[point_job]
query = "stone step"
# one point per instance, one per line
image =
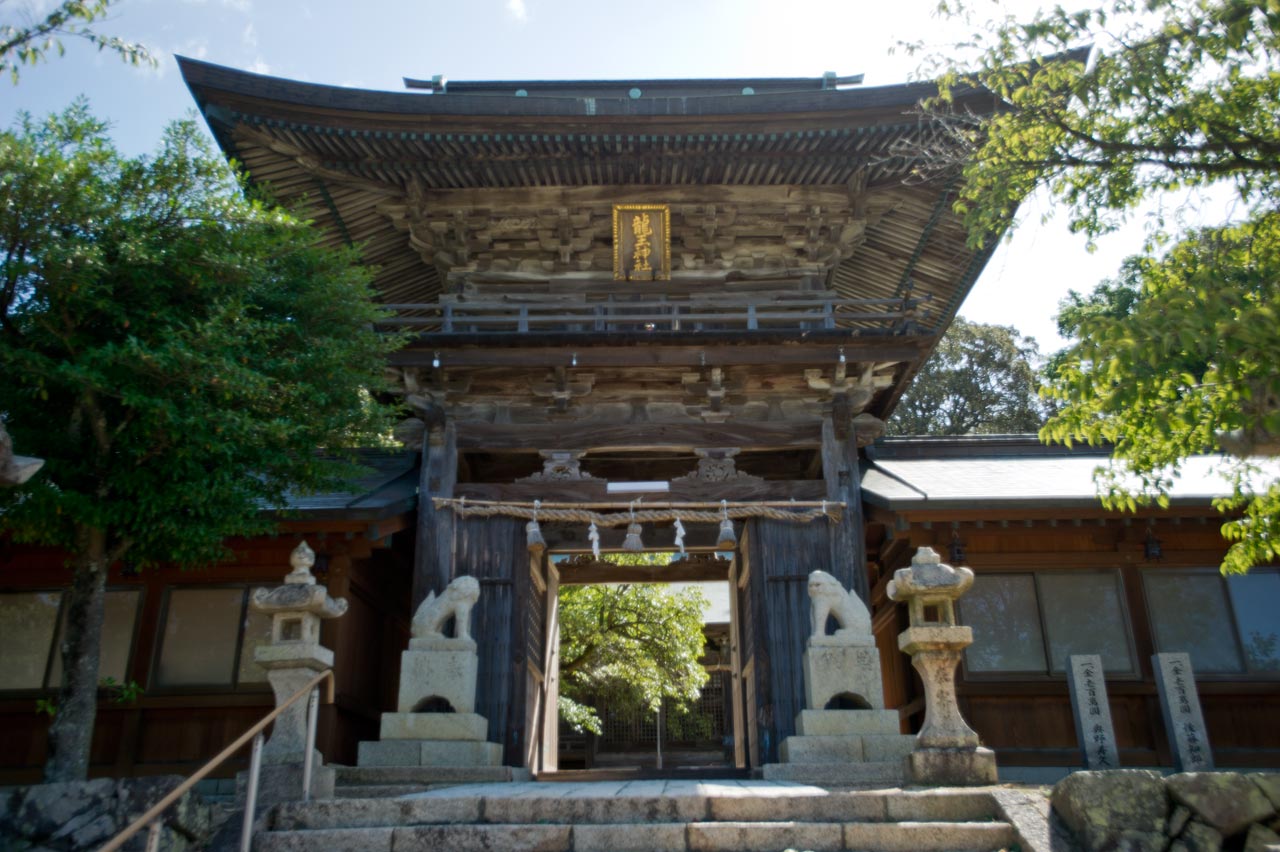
(463, 753)
(651, 837)
(433, 726)
(838, 723)
(874, 748)
(421, 838)
(461, 805)
(838, 774)
(929, 836)
(382, 791)
(347, 776)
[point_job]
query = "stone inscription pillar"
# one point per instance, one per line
(1180, 706)
(1094, 732)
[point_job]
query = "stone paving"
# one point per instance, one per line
(674, 788)
(675, 815)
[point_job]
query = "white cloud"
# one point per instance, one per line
(516, 9)
(249, 38)
(260, 66)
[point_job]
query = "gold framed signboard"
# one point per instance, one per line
(641, 242)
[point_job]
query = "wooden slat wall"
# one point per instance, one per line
(175, 730)
(493, 551)
(781, 557)
(1027, 719)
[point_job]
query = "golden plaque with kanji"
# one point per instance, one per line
(641, 242)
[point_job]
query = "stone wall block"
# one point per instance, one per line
(1259, 838)
(1198, 837)
(85, 815)
(1099, 806)
(1270, 786)
(1227, 801)
(1177, 821)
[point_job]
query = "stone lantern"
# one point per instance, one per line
(292, 658)
(947, 750)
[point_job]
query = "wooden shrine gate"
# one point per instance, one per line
(516, 628)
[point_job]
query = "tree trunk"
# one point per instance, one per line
(71, 733)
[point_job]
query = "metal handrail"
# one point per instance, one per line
(255, 766)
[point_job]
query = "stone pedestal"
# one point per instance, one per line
(438, 669)
(845, 670)
(436, 723)
(947, 751)
(842, 746)
(952, 767)
(431, 739)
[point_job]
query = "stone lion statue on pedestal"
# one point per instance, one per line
(827, 597)
(456, 600)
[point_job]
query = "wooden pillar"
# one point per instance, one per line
(433, 552)
(551, 672)
(844, 484)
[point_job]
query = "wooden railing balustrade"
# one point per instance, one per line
(456, 316)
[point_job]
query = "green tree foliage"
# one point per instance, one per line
(1190, 367)
(631, 645)
(1177, 95)
(981, 380)
(1114, 298)
(175, 351)
(29, 41)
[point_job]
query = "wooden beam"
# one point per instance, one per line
(557, 353)
(543, 198)
(593, 490)
(608, 572)
(684, 437)
(572, 538)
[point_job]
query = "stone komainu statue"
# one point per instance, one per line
(456, 601)
(828, 597)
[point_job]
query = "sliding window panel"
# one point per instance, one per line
(1083, 614)
(200, 637)
(120, 618)
(1002, 610)
(1189, 613)
(1255, 597)
(27, 623)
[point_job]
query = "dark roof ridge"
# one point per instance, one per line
(204, 78)
(975, 446)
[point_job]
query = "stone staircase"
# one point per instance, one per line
(378, 782)
(648, 816)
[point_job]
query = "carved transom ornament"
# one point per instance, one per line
(559, 466)
(717, 465)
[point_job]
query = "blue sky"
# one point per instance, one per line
(374, 44)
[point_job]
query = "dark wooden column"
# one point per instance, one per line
(433, 557)
(493, 551)
(846, 537)
(781, 555)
